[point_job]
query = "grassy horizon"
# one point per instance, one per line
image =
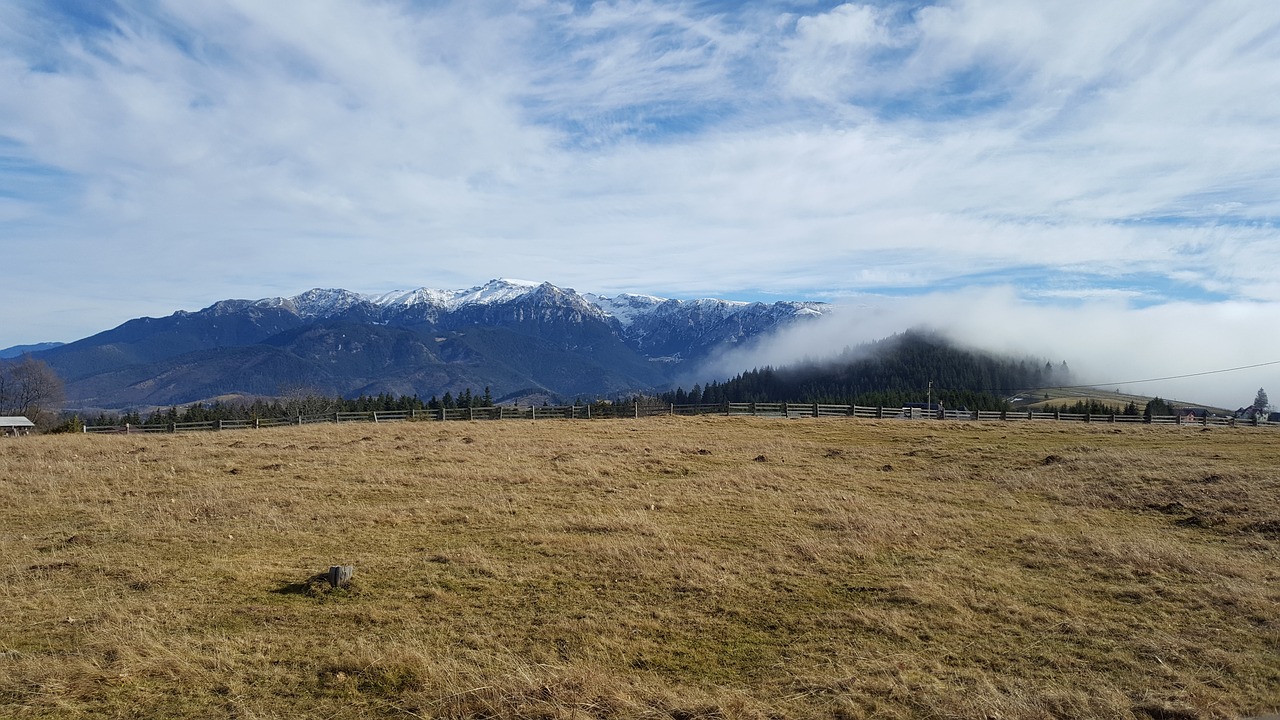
(660, 568)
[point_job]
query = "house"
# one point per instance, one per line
(15, 425)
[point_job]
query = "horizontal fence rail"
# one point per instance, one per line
(638, 410)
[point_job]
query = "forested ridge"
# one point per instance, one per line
(890, 372)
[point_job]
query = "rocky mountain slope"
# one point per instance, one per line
(511, 336)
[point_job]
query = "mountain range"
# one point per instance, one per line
(20, 350)
(520, 339)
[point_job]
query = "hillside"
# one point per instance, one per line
(1115, 400)
(670, 567)
(904, 368)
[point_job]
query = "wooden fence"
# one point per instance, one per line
(637, 410)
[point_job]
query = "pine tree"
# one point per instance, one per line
(1156, 407)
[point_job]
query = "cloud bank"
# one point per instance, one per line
(1229, 352)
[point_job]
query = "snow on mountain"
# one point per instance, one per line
(494, 292)
(625, 308)
(628, 309)
(317, 302)
(631, 311)
(322, 302)
(410, 298)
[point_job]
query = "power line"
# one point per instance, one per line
(1159, 379)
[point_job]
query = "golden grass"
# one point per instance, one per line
(661, 568)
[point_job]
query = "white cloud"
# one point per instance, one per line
(194, 151)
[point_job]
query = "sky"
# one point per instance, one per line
(1095, 181)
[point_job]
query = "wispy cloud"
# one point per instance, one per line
(166, 154)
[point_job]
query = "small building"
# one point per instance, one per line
(919, 409)
(16, 425)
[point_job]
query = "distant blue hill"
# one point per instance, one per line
(20, 350)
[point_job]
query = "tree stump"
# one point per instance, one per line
(340, 575)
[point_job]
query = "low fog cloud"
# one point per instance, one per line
(1108, 342)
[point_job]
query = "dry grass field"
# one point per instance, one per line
(661, 568)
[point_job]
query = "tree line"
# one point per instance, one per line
(1155, 407)
(291, 405)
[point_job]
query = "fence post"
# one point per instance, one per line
(588, 411)
(257, 423)
(173, 427)
(815, 409)
(753, 408)
(637, 409)
(1088, 417)
(471, 413)
(879, 412)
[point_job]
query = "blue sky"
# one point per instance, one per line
(1115, 163)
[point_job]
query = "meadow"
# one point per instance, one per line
(701, 567)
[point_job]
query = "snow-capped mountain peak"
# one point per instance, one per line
(317, 302)
(638, 315)
(409, 298)
(625, 307)
(494, 292)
